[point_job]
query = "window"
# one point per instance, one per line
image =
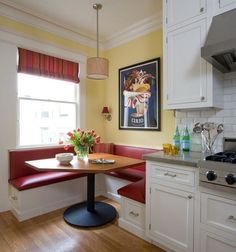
(47, 109)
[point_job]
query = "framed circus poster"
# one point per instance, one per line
(139, 96)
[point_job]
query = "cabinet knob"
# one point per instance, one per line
(232, 218)
(202, 9)
(202, 98)
(190, 196)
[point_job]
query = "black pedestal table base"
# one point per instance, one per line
(90, 213)
(78, 215)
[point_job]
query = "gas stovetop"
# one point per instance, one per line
(225, 156)
(220, 169)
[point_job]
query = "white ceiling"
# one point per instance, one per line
(79, 16)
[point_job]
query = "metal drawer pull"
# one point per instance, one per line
(202, 9)
(190, 196)
(170, 175)
(231, 218)
(134, 214)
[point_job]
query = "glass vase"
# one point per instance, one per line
(82, 152)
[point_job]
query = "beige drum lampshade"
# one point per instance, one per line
(97, 68)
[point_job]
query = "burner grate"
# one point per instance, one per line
(227, 157)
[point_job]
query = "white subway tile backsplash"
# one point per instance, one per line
(181, 114)
(230, 105)
(228, 127)
(224, 113)
(208, 113)
(229, 97)
(230, 120)
(216, 120)
(193, 114)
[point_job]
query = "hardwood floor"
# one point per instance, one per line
(49, 232)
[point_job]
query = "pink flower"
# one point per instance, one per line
(66, 147)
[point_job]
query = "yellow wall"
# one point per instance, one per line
(100, 93)
(95, 94)
(138, 50)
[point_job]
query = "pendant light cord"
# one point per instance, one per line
(97, 35)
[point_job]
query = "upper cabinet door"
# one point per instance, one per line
(225, 5)
(178, 11)
(185, 77)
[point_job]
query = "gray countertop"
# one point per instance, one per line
(184, 158)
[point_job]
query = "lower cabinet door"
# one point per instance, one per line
(171, 217)
(213, 243)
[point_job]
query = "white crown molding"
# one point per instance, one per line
(23, 16)
(138, 29)
(15, 12)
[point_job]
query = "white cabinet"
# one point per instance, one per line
(170, 204)
(180, 11)
(218, 212)
(171, 217)
(189, 81)
(218, 223)
(186, 76)
(132, 217)
(225, 5)
(211, 242)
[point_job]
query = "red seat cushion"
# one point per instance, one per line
(17, 158)
(43, 178)
(130, 174)
(134, 191)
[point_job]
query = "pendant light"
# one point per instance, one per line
(97, 67)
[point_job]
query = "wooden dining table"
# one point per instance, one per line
(90, 213)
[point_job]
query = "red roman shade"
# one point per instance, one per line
(47, 66)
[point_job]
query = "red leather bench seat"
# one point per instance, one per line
(42, 179)
(134, 191)
(23, 177)
(130, 174)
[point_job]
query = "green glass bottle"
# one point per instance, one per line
(176, 138)
(186, 140)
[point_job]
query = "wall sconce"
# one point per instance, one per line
(106, 113)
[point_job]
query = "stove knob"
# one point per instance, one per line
(230, 179)
(211, 175)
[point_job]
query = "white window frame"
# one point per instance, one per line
(76, 103)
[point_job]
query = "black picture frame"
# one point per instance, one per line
(139, 96)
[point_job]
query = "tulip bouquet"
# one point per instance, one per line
(82, 141)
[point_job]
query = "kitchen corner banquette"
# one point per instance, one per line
(33, 193)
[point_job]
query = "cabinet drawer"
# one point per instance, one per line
(218, 212)
(134, 212)
(213, 243)
(171, 174)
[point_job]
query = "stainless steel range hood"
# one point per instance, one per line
(220, 45)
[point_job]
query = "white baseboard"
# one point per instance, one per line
(36, 201)
(138, 231)
(113, 196)
(30, 213)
